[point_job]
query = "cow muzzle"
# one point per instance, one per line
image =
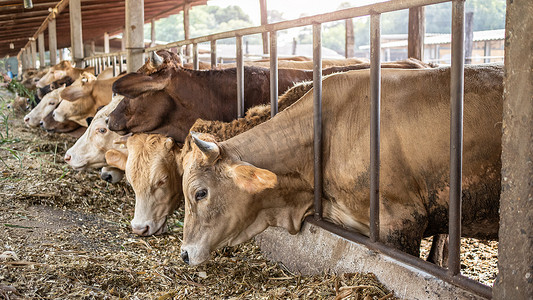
(149, 228)
(194, 255)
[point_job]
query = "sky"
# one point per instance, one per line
(291, 9)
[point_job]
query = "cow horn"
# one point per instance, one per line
(158, 60)
(210, 149)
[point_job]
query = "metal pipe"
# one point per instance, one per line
(114, 66)
(273, 73)
(213, 54)
(342, 14)
(240, 78)
(120, 63)
(375, 99)
(195, 63)
(456, 136)
(416, 262)
(317, 118)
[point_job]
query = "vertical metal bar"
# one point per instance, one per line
(109, 61)
(456, 136)
(273, 73)
(114, 66)
(120, 63)
(213, 54)
(195, 63)
(375, 99)
(240, 78)
(317, 118)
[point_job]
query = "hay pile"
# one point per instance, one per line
(65, 234)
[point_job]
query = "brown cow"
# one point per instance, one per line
(255, 180)
(169, 100)
(83, 97)
(62, 69)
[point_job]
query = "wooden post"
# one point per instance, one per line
(186, 29)
(469, 36)
(22, 59)
(417, 29)
(515, 258)
(93, 48)
(486, 51)
(349, 50)
(152, 32)
(76, 38)
(134, 34)
(123, 40)
(52, 41)
(40, 39)
(106, 42)
(264, 20)
(33, 46)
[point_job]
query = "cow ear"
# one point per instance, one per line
(252, 179)
(89, 70)
(122, 140)
(134, 84)
(72, 93)
(116, 159)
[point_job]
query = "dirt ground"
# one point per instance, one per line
(65, 234)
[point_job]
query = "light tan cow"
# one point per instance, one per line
(83, 98)
(62, 69)
(152, 158)
(89, 150)
(49, 102)
(264, 177)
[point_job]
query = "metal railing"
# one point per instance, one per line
(102, 61)
(452, 273)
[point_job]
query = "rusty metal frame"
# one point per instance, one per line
(452, 274)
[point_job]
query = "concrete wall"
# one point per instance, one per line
(515, 251)
(315, 250)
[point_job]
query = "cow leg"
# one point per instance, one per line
(439, 250)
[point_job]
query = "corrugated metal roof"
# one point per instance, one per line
(437, 39)
(18, 24)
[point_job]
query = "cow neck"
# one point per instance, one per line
(282, 144)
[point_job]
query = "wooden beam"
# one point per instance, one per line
(76, 34)
(106, 42)
(40, 39)
(152, 32)
(415, 43)
(186, 28)
(33, 46)
(52, 41)
(349, 49)
(134, 34)
(264, 20)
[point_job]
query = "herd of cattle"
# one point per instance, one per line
(173, 132)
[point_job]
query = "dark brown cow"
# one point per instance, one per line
(169, 100)
(70, 127)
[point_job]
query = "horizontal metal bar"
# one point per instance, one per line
(353, 12)
(458, 280)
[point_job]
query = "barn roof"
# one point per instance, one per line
(18, 25)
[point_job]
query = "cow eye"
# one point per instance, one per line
(52, 103)
(102, 130)
(201, 194)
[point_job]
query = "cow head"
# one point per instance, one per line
(152, 171)
(82, 99)
(50, 125)
(54, 73)
(49, 102)
(222, 199)
(142, 88)
(89, 150)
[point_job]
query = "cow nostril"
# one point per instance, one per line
(26, 119)
(185, 256)
(67, 157)
(107, 177)
(41, 123)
